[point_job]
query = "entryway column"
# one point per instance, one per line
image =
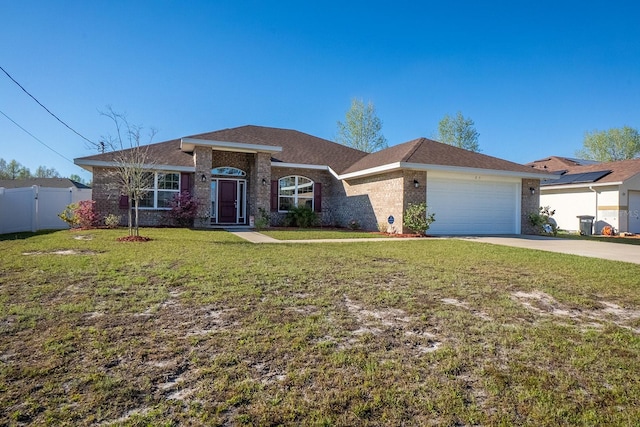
(262, 183)
(202, 157)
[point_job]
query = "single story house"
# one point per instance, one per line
(610, 192)
(238, 173)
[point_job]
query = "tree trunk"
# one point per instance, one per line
(136, 230)
(130, 222)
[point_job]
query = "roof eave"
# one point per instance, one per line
(188, 145)
(444, 168)
(583, 185)
(90, 164)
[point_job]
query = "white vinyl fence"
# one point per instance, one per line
(36, 208)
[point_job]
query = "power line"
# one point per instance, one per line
(48, 111)
(34, 137)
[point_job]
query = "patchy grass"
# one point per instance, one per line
(201, 328)
(315, 234)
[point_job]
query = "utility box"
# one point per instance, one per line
(586, 224)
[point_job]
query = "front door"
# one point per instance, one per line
(227, 201)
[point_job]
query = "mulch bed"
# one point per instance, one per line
(133, 239)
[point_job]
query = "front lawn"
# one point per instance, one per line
(202, 328)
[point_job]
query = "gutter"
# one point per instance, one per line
(595, 220)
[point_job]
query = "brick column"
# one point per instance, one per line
(202, 190)
(263, 190)
(413, 195)
(530, 203)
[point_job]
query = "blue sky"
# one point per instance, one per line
(534, 76)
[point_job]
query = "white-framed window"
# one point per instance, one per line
(294, 191)
(165, 186)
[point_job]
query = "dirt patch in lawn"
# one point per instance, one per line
(390, 321)
(62, 252)
(546, 305)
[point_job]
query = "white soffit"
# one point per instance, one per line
(444, 168)
(189, 144)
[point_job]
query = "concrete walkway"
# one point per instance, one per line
(603, 250)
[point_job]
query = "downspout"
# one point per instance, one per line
(595, 219)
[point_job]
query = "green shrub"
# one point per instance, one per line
(112, 221)
(263, 220)
(301, 216)
(543, 221)
(416, 219)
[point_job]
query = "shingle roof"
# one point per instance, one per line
(426, 151)
(161, 153)
(297, 147)
(305, 149)
(620, 171)
(556, 163)
(41, 182)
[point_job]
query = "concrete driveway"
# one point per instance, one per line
(603, 250)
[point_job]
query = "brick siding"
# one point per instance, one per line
(530, 203)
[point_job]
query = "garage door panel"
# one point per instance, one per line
(472, 207)
(634, 212)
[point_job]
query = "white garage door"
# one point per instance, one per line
(634, 212)
(473, 206)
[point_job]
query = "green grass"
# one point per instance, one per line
(315, 234)
(202, 328)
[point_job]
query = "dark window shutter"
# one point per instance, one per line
(274, 196)
(317, 197)
(185, 182)
(124, 202)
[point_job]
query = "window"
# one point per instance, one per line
(228, 171)
(295, 191)
(164, 186)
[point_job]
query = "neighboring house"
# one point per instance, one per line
(610, 192)
(238, 173)
(34, 204)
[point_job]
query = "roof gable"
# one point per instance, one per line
(428, 152)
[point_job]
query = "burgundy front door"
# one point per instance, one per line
(228, 201)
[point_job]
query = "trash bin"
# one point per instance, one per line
(586, 224)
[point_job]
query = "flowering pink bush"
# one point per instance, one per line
(87, 216)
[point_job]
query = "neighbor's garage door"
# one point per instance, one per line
(634, 211)
(473, 206)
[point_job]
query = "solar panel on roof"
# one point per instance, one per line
(577, 178)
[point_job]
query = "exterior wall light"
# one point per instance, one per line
(533, 190)
(416, 183)
(203, 178)
(264, 181)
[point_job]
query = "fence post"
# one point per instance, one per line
(34, 209)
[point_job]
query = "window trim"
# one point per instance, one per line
(155, 190)
(296, 197)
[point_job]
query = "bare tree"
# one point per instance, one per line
(133, 171)
(45, 172)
